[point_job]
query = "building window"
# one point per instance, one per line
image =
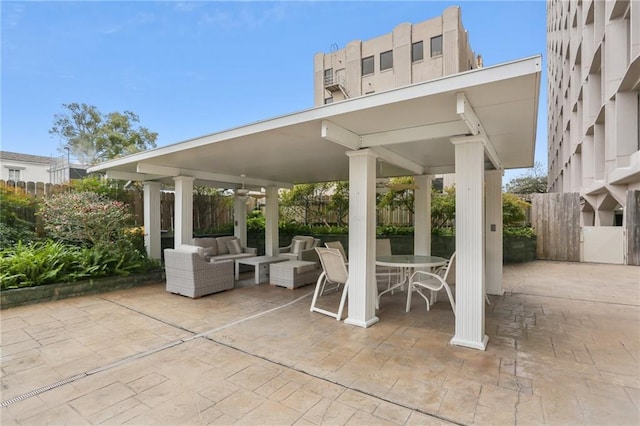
(14, 174)
(367, 65)
(417, 52)
(328, 77)
(328, 100)
(386, 60)
(436, 46)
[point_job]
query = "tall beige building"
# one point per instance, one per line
(593, 76)
(411, 53)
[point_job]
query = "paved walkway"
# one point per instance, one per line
(564, 349)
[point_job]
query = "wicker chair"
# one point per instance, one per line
(190, 274)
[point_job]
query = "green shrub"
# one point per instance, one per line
(13, 227)
(53, 262)
(87, 219)
(36, 264)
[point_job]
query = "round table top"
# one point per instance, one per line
(409, 260)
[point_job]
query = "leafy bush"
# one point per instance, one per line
(87, 219)
(13, 227)
(519, 231)
(53, 262)
(36, 264)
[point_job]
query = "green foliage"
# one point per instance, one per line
(398, 198)
(390, 230)
(89, 220)
(109, 188)
(255, 221)
(306, 203)
(443, 209)
(518, 231)
(339, 203)
(94, 137)
(13, 227)
(513, 210)
(533, 181)
(53, 262)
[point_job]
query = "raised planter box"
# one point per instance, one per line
(50, 292)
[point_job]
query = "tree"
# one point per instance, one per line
(403, 198)
(306, 203)
(93, 137)
(533, 181)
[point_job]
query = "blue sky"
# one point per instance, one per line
(193, 68)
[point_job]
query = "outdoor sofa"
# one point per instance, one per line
(190, 273)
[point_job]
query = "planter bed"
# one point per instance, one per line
(50, 292)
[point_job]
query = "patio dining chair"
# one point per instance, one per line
(434, 282)
(386, 273)
(334, 271)
(337, 245)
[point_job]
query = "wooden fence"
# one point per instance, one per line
(556, 220)
(209, 211)
(633, 228)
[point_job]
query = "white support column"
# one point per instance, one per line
(183, 211)
(469, 157)
(362, 238)
(422, 216)
(271, 235)
(493, 232)
(152, 236)
(240, 219)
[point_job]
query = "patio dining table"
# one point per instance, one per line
(407, 263)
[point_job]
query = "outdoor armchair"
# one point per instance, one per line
(189, 273)
(301, 248)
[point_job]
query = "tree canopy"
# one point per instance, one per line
(534, 181)
(93, 137)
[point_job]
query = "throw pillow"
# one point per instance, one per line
(298, 246)
(234, 247)
(309, 244)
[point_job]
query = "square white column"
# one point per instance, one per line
(362, 238)
(493, 232)
(271, 219)
(469, 157)
(183, 211)
(152, 235)
(422, 216)
(240, 219)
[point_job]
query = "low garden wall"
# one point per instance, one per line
(50, 292)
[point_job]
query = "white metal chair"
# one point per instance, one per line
(334, 271)
(383, 248)
(433, 282)
(337, 245)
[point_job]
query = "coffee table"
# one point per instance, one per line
(261, 265)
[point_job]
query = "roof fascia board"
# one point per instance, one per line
(398, 160)
(339, 135)
(414, 134)
(136, 177)
(468, 115)
(208, 176)
(456, 82)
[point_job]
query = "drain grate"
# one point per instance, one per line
(42, 390)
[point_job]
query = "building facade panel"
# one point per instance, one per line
(593, 71)
(410, 53)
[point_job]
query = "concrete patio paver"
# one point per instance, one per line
(564, 349)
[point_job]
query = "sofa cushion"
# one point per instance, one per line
(222, 244)
(234, 247)
(310, 244)
(210, 243)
